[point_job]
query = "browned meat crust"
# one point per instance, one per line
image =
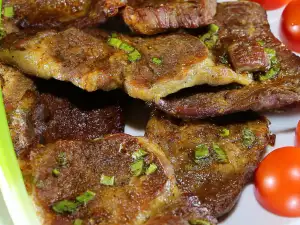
(86, 59)
(52, 13)
(130, 200)
(216, 184)
(156, 16)
(42, 112)
(182, 212)
(238, 23)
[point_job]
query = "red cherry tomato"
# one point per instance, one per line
(297, 138)
(290, 26)
(272, 4)
(277, 182)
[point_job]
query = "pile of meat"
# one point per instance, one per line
(69, 68)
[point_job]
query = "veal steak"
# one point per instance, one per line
(43, 14)
(214, 159)
(156, 16)
(41, 112)
(147, 68)
(103, 170)
(242, 22)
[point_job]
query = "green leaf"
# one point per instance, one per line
(107, 180)
(86, 197)
(12, 186)
(201, 152)
(65, 206)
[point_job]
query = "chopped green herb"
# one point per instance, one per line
(65, 206)
(157, 61)
(151, 169)
(107, 180)
(55, 172)
(134, 56)
(126, 47)
(274, 68)
(78, 222)
(211, 37)
(248, 137)
(220, 153)
(9, 11)
(224, 132)
(201, 152)
(139, 154)
(199, 222)
(86, 197)
(114, 35)
(114, 42)
(137, 168)
(224, 59)
(261, 43)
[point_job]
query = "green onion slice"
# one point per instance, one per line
(65, 206)
(9, 11)
(139, 154)
(220, 153)
(134, 56)
(55, 172)
(78, 222)
(201, 152)
(114, 42)
(107, 180)
(199, 222)
(157, 61)
(151, 169)
(248, 137)
(86, 197)
(224, 132)
(137, 168)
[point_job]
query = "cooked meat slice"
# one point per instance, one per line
(167, 63)
(237, 24)
(173, 62)
(111, 171)
(183, 211)
(53, 13)
(212, 159)
(71, 55)
(248, 57)
(55, 111)
(156, 16)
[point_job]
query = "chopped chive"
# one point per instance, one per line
(261, 43)
(139, 154)
(213, 28)
(9, 11)
(107, 180)
(55, 172)
(86, 197)
(220, 153)
(65, 206)
(62, 159)
(137, 168)
(151, 169)
(114, 42)
(134, 56)
(275, 67)
(224, 132)
(126, 47)
(78, 222)
(157, 61)
(270, 52)
(248, 137)
(199, 222)
(201, 152)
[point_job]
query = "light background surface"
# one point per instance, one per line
(247, 211)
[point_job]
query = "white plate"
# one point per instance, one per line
(247, 211)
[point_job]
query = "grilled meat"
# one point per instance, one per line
(165, 65)
(214, 159)
(238, 25)
(43, 14)
(185, 210)
(156, 16)
(105, 169)
(42, 112)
